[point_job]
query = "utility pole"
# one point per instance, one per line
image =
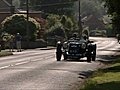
(27, 24)
(12, 8)
(79, 22)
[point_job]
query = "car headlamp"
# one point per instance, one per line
(65, 45)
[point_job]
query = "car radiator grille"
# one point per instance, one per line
(75, 49)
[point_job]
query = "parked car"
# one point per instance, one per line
(76, 49)
(98, 33)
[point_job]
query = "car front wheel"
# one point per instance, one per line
(65, 57)
(94, 56)
(58, 56)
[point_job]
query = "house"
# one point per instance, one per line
(94, 23)
(6, 9)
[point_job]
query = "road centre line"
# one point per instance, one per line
(24, 62)
(4, 67)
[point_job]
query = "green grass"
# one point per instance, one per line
(5, 53)
(106, 79)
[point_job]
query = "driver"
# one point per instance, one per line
(74, 36)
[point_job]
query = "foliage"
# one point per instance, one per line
(6, 37)
(41, 31)
(67, 22)
(5, 53)
(94, 7)
(105, 79)
(53, 6)
(86, 32)
(17, 23)
(16, 3)
(90, 9)
(5, 40)
(68, 25)
(110, 31)
(59, 25)
(113, 10)
(54, 26)
(52, 20)
(113, 6)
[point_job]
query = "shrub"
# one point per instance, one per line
(17, 23)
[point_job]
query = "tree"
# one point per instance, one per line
(113, 11)
(17, 24)
(60, 25)
(88, 10)
(54, 26)
(60, 7)
(92, 7)
(68, 25)
(16, 3)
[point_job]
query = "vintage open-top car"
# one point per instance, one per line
(75, 49)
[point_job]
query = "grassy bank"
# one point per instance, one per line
(106, 79)
(5, 53)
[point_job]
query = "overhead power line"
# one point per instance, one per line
(49, 5)
(54, 4)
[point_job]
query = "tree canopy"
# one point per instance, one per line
(114, 11)
(92, 7)
(59, 7)
(16, 3)
(17, 24)
(59, 25)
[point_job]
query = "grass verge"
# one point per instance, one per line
(5, 53)
(105, 79)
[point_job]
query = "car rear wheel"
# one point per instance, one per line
(93, 58)
(88, 58)
(94, 53)
(89, 53)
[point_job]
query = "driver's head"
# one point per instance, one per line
(75, 35)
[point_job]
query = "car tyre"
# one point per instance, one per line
(88, 58)
(65, 57)
(94, 53)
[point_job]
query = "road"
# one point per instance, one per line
(37, 69)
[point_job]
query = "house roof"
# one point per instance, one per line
(6, 2)
(5, 6)
(93, 22)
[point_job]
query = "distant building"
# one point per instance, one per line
(94, 23)
(6, 9)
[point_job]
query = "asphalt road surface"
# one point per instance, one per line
(38, 69)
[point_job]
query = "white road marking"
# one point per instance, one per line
(4, 67)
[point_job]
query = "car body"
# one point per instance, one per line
(76, 49)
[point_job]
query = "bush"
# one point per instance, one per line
(5, 53)
(17, 23)
(57, 22)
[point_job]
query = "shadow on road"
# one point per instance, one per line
(75, 60)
